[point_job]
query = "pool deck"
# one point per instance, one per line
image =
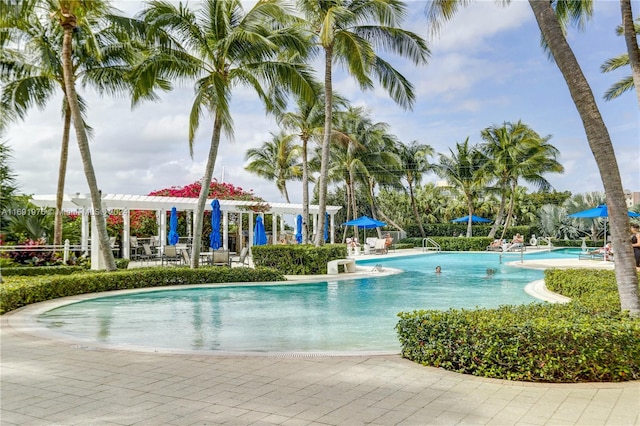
(47, 381)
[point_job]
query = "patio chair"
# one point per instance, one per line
(170, 255)
(381, 246)
(220, 258)
(185, 257)
(243, 259)
(147, 253)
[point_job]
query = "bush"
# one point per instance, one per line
(41, 270)
(530, 343)
(20, 291)
(588, 339)
(453, 243)
(298, 259)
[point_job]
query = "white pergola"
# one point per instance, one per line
(123, 204)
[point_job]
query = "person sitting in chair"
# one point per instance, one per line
(516, 242)
(388, 241)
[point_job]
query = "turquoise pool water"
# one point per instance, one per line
(346, 315)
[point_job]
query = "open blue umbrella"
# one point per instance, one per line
(214, 237)
(299, 229)
(365, 222)
(474, 218)
(326, 226)
(596, 212)
(173, 236)
(259, 234)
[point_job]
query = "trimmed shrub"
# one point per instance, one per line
(20, 291)
(530, 343)
(588, 339)
(453, 243)
(28, 271)
(298, 259)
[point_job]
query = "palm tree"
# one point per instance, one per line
(463, 169)
(551, 22)
(307, 123)
(347, 32)
(619, 61)
(515, 151)
(602, 148)
(222, 47)
(71, 15)
(32, 71)
(415, 162)
(276, 160)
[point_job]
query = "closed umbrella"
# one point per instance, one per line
(173, 236)
(326, 226)
(299, 229)
(259, 234)
(214, 237)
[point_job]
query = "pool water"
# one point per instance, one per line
(345, 315)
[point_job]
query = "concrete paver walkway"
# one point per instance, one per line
(53, 382)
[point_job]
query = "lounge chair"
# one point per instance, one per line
(148, 253)
(381, 246)
(243, 259)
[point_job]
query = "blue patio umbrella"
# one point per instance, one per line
(326, 226)
(259, 234)
(299, 229)
(596, 212)
(173, 236)
(365, 222)
(214, 237)
(474, 218)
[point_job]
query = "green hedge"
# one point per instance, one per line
(588, 339)
(31, 271)
(20, 291)
(455, 229)
(453, 243)
(298, 259)
(529, 343)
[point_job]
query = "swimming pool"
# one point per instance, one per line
(347, 315)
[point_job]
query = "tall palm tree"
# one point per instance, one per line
(224, 47)
(551, 21)
(31, 68)
(602, 148)
(307, 121)
(515, 151)
(277, 160)
(626, 83)
(415, 163)
(72, 15)
(463, 169)
(347, 32)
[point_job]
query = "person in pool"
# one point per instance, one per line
(438, 269)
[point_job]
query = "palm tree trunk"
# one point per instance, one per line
(496, 224)
(305, 192)
(631, 39)
(326, 140)
(512, 200)
(470, 221)
(602, 148)
(348, 191)
(62, 172)
(198, 221)
(414, 207)
(68, 23)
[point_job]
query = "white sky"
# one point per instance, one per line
(486, 68)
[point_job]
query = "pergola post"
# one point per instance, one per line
(126, 234)
(225, 230)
